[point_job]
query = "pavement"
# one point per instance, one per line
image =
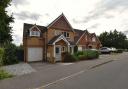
(47, 74)
(19, 69)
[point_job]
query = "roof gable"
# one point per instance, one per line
(85, 32)
(94, 35)
(58, 38)
(61, 22)
(34, 28)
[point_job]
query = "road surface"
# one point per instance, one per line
(113, 75)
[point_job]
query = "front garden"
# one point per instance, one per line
(80, 55)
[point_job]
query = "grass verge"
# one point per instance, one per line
(4, 74)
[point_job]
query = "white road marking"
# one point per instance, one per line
(65, 63)
(75, 74)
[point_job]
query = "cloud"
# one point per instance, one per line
(102, 8)
(19, 2)
(27, 15)
(114, 4)
(94, 26)
(17, 39)
(126, 32)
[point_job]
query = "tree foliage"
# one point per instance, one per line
(114, 39)
(5, 20)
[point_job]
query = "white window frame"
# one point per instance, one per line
(67, 35)
(34, 33)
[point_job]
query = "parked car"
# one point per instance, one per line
(113, 49)
(105, 50)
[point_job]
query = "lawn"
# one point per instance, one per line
(4, 74)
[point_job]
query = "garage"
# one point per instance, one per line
(35, 54)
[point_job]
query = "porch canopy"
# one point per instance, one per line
(57, 39)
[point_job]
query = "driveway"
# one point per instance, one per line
(48, 73)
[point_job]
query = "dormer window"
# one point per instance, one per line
(34, 31)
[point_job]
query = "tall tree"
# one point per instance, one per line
(114, 39)
(5, 20)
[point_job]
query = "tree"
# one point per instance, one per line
(5, 20)
(114, 39)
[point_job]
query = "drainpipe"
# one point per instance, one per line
(46, 43)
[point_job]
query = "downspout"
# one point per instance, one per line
(46, 42)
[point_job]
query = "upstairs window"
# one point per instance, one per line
(34, 32)
(66, 34)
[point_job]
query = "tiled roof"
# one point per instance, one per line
(79, 33)
(28, 26)
(54, 39)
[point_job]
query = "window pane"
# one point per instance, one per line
(71, 49)
(67, 34)
(57, 50)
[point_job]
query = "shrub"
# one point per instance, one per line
(10, 55)
(119, 51)
(67, 57)
(92, 54)
(1, 56)
(20, 53)
(88, 54)
(126, 50)
(4, 74)
(80, 53)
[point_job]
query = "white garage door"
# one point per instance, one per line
(35, 54)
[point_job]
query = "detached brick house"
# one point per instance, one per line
(47, 43)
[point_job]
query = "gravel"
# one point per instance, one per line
(19, 69)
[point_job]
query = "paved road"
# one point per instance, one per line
(113, 75)
(54, 73)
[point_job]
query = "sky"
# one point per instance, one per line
(95, 15)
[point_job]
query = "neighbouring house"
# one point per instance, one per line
(46, 43)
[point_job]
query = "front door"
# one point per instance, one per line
(58, 53)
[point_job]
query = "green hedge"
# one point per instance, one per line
(9, 56)
(119, 51)
(1, 56)
(80, 55)
(67, 57)
(88, 54)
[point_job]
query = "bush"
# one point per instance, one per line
(20, 53)
(1, 56)
(9, 56)
(88, 54)
(91, 54)
(119, 51)
(67, 57)
(4, 74)
(126, 50)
